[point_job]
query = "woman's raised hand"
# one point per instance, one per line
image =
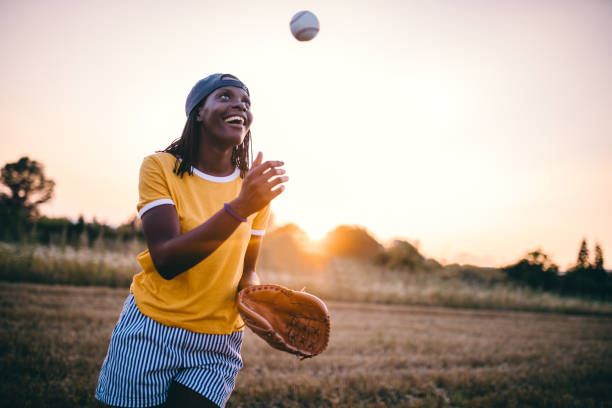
(262, 183)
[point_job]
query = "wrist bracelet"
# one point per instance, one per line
(233, 214)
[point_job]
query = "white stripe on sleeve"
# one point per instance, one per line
(259, 233)
(153, 204)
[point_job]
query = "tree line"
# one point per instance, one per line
(585, 278)
(285, 248)
(23, 188)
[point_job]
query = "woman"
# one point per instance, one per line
(203, 211)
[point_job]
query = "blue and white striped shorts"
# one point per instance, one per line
(145, 356)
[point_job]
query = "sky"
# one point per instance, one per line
(477, 130)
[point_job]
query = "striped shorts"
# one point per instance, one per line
(144, 357)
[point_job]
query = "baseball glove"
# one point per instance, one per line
(291, 321)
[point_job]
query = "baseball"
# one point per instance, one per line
(304, 25)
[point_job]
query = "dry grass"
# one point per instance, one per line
(53, 340)
(342, 280)
(84, 266)
(346, 280)
(430, 357)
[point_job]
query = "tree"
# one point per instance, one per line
(599, 260)
(536, 270)
(583, 256)
(25, 188)
(351, 242)
(403, 255)
(586, 278)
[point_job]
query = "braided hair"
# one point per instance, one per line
(186, 147)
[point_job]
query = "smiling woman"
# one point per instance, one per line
(203, 232)
(188, 147)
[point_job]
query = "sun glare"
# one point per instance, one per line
(316, 233)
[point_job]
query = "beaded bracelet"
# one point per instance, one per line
(233, 214)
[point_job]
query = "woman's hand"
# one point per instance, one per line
(258, 187)
(249, 278)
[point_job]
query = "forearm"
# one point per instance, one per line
(249, 276)
(183, 251)
(174, 253)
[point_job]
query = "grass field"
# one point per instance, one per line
(54, 338)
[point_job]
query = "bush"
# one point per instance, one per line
(351, 242)
(587, 281)
(535, 270)
(403, 255)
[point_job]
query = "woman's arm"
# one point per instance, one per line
(173, 253)
(249, 276)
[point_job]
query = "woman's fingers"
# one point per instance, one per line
(278, 180)
(276, 193)
(273, 172)
(261, 168)
(257, 160)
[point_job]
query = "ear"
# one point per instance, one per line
(200, 115)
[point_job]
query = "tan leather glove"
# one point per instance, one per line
(291, 321)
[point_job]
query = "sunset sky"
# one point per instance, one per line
(477, 129)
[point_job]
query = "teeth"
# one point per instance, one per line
(235, 118)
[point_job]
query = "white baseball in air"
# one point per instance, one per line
(304, 25)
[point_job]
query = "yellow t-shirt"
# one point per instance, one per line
(201, 299)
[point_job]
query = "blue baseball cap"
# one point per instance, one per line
(204, 87)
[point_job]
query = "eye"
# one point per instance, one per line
(224, 96)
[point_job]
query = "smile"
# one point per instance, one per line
(235, 120)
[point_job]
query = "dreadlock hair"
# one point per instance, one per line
(186, 147)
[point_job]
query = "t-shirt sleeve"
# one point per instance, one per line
(152, 186)
(261, 221)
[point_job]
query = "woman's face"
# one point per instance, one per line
(226, 115)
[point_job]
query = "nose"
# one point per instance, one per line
(242, 105)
